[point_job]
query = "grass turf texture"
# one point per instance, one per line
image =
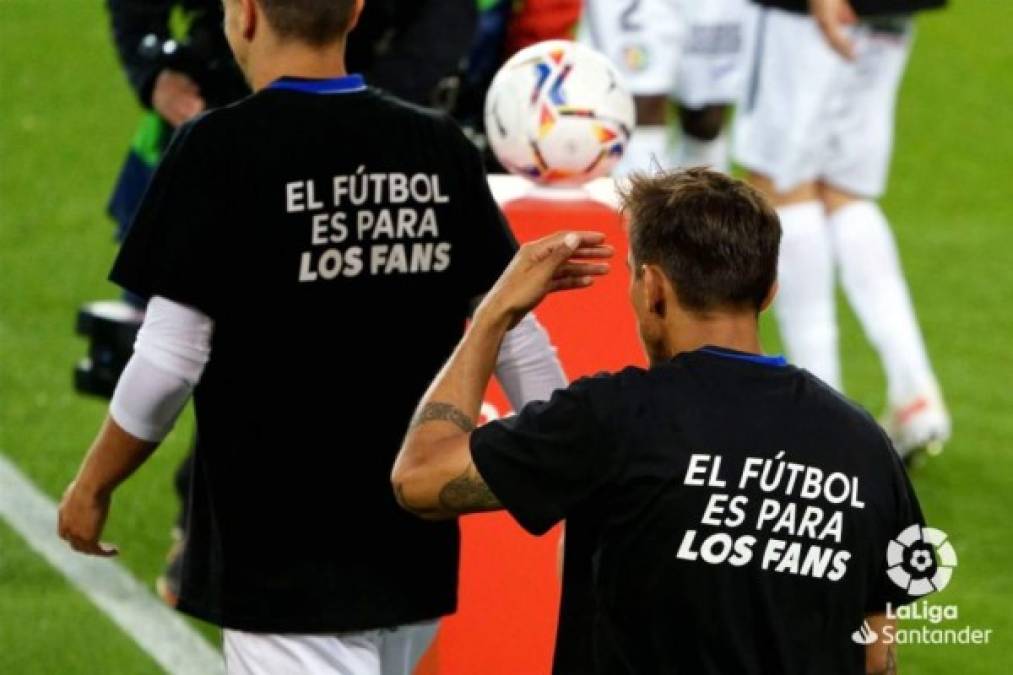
(66, 118)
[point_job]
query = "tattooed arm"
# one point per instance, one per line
(881, 655)
(433, 476)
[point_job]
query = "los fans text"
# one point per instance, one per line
(370, 223)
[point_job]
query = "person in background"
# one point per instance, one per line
(504, 27)
(815, 133)
(692, 52)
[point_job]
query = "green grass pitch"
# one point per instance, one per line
(66, 117)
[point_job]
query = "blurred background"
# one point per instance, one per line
(67, 117)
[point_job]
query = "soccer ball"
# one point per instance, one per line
(558, 113)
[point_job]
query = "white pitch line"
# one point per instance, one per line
(158, 630)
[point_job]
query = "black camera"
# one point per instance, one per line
(111, 327)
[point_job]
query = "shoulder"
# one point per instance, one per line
(847, 416)
(395, 106)
(434, 121)
(605, 391)
(204, 133)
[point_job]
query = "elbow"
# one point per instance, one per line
(409, 485)
(399, 482)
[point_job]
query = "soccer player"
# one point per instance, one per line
(730, 512)
(312, 253)
(815, 132)
(404, 48)
(688, 50)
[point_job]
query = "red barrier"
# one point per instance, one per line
(509, 594)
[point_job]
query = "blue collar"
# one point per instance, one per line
(776, 361)
(332, 85)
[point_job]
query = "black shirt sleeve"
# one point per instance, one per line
(490, 244)
(906, 512)
(174, 247)
(544, 462)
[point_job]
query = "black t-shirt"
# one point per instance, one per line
(725, 513)
(337, 237)
(862, 7)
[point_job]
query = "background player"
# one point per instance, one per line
(661, 471)
(310, 252)
(816, 133)
(693, 52)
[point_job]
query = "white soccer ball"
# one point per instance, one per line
(559, 113)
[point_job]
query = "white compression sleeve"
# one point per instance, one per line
(528, 368)
(148, 400)
(172, 348)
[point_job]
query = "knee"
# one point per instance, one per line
(705, 123)
(651, 110)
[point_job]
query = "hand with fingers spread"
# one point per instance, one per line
(81, 517)
(559, 262)
(832, 16)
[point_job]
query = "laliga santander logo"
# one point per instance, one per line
(910, 560)
(864, 635)
(920, 560)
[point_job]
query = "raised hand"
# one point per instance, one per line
(559, 262)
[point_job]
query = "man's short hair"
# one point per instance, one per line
(315, 22)
(714, 237)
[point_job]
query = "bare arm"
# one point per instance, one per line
(172, 348)
(434, 476)
(881, 655)
(112, 458)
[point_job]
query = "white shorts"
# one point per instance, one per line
(376, 652)
(809, 115)
(693, 50)
(715, 53)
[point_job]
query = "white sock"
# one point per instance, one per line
(692, 151)
(804, 305)
(874, 284)
(647, 149)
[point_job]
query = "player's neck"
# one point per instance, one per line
(293, 59)
(736, 331)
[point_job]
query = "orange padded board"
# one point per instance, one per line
(509, 593)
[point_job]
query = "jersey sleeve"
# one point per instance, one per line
(544, 462)
(173, 248)
(907, 512)
(490, 244)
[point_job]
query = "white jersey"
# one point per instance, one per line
(810, 115)
(695, 51)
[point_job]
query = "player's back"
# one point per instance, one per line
(742, 527)
(336, 236)
(348, 250)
